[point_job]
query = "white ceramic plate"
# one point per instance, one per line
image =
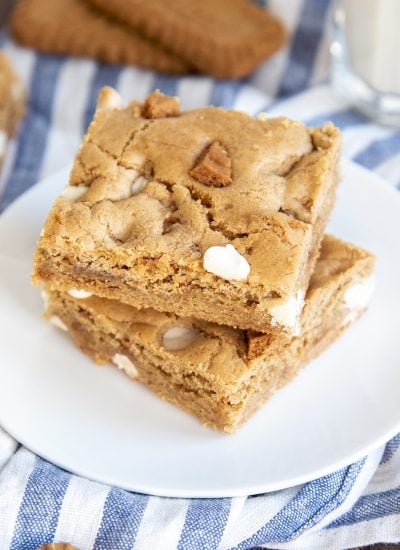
(95, 422)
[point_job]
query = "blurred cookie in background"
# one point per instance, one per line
(222, 38)
(74, 27)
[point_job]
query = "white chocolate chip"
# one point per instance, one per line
(109, 99)
(45, 298)
(124, 363)
(138, 185)
(79, 294)
(74, 192)
(262, 116)
(178, 337)
(56, 321)
(287, 313)
(226, 262)
(3, 142)
(358, 295)
(136, 159)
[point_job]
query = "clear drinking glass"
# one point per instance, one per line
(365, 51)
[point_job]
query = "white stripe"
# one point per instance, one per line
(81, 512)
(310, 104)
(356, 139)
(70, 102)
(390, 169)
(387, 476)
(363, 478)
(8, 163)
(8, 446)
(13, 480)
(373, 531)
(248, 515)
(134, 83)
(269, 76)
(162, 524)
(251, 100)
(194, 91)
(22, 61)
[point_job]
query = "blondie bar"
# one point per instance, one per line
(220, 374)
(12, 103)
(207, 213)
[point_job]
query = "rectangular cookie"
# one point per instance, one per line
(12, 103)
(219, 374)
(207, 213)
(74, 27)
(226, 39)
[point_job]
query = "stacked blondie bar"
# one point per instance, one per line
(188, 249)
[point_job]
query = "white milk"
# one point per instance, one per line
(372, 30)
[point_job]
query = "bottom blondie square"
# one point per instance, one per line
(220, 374)
(12, 103)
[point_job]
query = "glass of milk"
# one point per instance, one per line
(365, 51)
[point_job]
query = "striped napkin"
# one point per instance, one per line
(39, 502)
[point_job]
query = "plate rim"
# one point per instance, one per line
(207, 493)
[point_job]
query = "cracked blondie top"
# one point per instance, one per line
(12, 102)
(220, 374)
(207, 213)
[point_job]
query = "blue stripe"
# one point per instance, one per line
(342, 119)
(204, 523)
(390, 449)
(105, 75)
(35, 127)
(304, 47)
(166, 84)
(122, 515)
(379, 151)
(3, 37)
(224, 93)
(370, 507)
(311, 504)
(38, 515)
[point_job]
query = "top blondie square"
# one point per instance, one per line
(207, 213)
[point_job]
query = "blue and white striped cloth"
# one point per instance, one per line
(39, 502)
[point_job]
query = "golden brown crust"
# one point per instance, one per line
(140, 231)
(76, 28)
(220, 374)
(226, 39)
